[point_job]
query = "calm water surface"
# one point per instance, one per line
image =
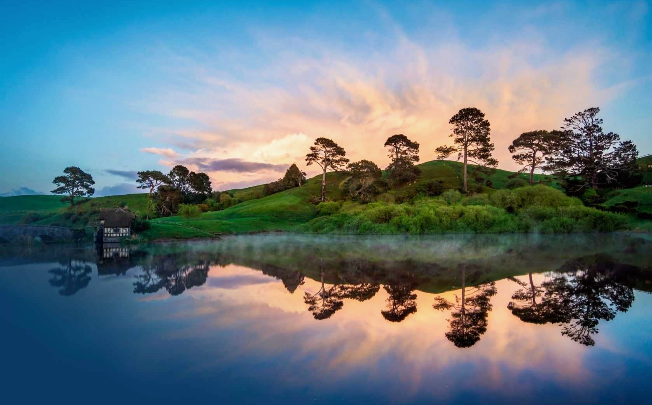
(288, 319)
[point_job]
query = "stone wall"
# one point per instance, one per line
(18, 233)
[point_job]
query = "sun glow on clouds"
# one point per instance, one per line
(273, 113)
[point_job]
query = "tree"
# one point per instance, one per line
(531, 148)
(151, 179)
(75, 183)
(180, 178)
(471, 138)
(585, 156)
(468, 313)
(328, 155)
(325, 302)
(400, 303)
(71, 277)
(294, 177)
(363, 176)
(168, 199)
(404, 154)
(200, 183)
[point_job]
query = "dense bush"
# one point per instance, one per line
(328, 207)
(478, 199)
(535, 209)
(31, 217)
(452, 197)
(516, 183)
(539, 196)
(140, 225)
(187, 210)
(431, 188)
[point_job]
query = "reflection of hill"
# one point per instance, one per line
(350, 260)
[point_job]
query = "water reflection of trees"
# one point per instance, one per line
(70, 277)
(325, 302)
(401, 301)
(469, 312)
(167, 272)
(582, 293)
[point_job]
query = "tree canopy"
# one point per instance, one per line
(328, 155)
(75, 183)
(471, 138)
(587, 157)
(531, 148)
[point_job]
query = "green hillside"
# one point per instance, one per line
(285, 210)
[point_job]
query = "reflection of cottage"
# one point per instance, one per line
(114, 225)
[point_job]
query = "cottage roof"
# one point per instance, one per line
(116, 218)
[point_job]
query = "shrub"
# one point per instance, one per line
(451, 197)
(328, 208)
(204, 207)
(187, 210)
(431, 188)
(516, 183)
(590, 197)
(478, 199)
(140, 225)
(30, 217)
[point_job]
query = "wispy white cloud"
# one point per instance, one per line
(167, 152)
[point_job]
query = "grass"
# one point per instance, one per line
(292, 210)
(638, 199)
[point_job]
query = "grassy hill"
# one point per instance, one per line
(278, 212)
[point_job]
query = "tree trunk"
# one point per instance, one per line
(594, 179)
(534, 159)
(534, 301)
(323, 185)
(465, 187)
(72, 200)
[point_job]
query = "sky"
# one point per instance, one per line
(241, 89)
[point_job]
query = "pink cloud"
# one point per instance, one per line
(167, 152)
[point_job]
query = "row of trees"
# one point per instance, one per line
(179, 186)
(581, 154)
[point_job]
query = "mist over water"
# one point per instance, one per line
(294, 319)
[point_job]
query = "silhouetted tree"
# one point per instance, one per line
(400, 303)
(70, 277)
(173, 273)
(531, 148)
(151, 180)
(404, 154)
(328, 155)
(75, 183)
(180, 178)
(471, 138)
(294, 177)
(468, 313)
(325, 302)
(200, 184)
(363, 176)
(531, 305)
(586, 157)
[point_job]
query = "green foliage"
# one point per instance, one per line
(590, 197)
(433, 188)
(428, 216)
(539, 195)
(31, 217)
(74, 183)
(328, 207)
(451, 197)
(478, 199)
(188, 210)
(516, 183)
(140, 225)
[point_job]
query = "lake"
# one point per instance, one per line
(295, 319)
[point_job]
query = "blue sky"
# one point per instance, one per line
(240, 89)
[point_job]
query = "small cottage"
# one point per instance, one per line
(114, 225)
